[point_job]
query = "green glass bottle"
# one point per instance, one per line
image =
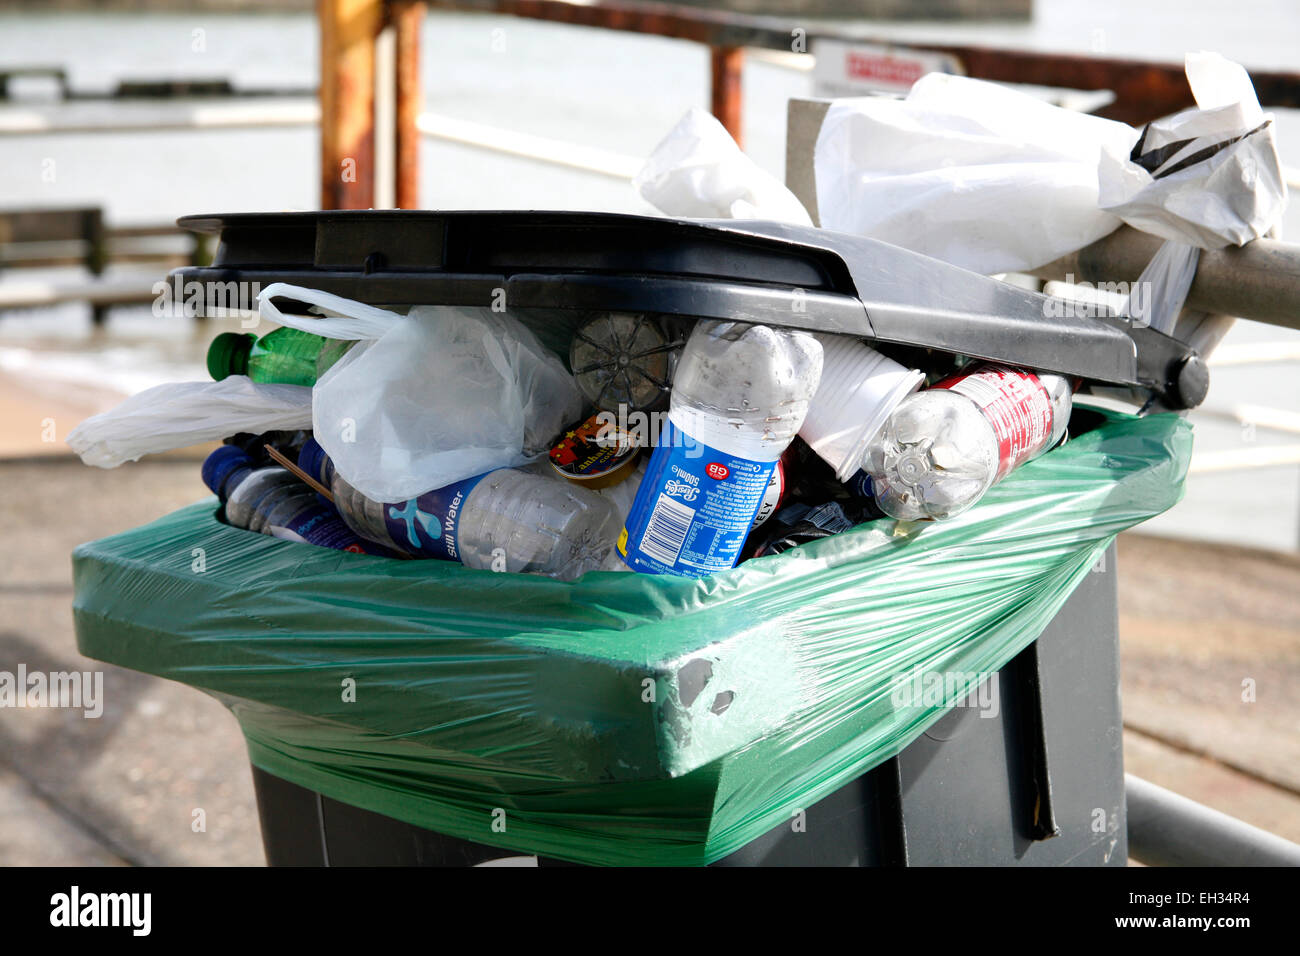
(287, 356)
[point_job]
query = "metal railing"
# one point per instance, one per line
(1165, 829)
(1142, 90)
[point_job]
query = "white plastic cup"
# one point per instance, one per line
(859, 389)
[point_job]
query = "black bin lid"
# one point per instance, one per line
(749, 271)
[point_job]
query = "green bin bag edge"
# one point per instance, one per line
(620, 718)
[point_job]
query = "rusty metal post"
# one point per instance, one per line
(408, 18)
(728, 66)
(348, 29)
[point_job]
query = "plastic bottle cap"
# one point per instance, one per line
(228, 354)
(311, 459)
(221, 464)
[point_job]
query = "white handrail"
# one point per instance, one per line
(543, 149)
(1265, 456)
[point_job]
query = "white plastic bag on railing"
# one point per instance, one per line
(1204, 178)
(1208, 176)
(185, 413)
(698, 171)
(439, 395)
(967, 171)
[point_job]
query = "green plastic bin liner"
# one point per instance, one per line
(620, 718)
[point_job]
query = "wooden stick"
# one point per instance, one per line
(293, 467)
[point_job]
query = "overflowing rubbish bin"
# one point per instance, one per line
(617, 540)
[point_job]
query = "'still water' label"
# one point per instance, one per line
(1016, 405)
(430, 524)
(694, 508)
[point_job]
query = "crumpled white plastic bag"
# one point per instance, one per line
(698, 171)
(1222, 186)
(185, 413)
(967, 171)
(1204, 178)
(436, 396)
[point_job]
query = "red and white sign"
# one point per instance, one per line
(859, 69)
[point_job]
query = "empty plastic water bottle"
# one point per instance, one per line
(285, 356)
(273, 501)
(623, 495)
(504, 520)
(944, 447)
(739, 397)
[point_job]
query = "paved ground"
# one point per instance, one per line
(122, 788)
(1210, 646)
(1195, 621)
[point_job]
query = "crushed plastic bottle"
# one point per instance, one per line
(944, 447)
(739, 397)
(363, 515)
(272, 501)
(504, 520)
